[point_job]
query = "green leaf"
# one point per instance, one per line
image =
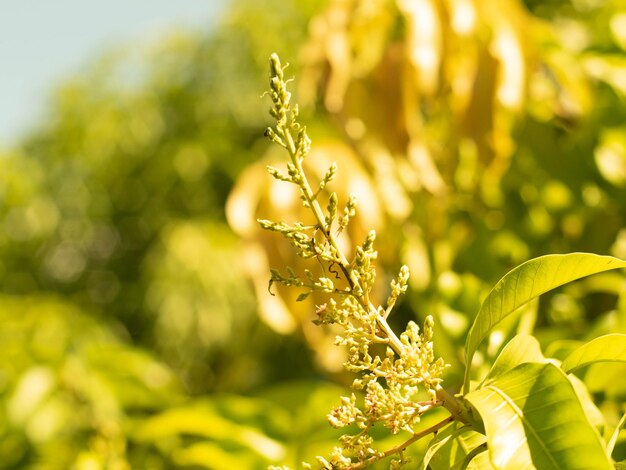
(613, 440)
(452, 447)
(526, 282)
(608, 348)
(441, 441)
(593, 413)
(303, 296)
(533, 419)
(519, 350)
(477, 459)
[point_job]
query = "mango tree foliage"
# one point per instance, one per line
(476, 135)
(528, 281)
(74, 394)
(70, 384)
(113, 206)
(475, 128)
(530, 412)
(533, 419)
(116, 201)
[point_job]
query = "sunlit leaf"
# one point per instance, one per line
(519, 350)
(533, 419)
(526, 282)
(608, 348)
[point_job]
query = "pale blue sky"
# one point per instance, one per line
(42, 41)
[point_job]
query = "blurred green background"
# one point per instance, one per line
(136, 330)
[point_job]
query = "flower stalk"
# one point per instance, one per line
(391, 383)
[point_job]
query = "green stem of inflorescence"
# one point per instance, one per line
(449, 402)
(290, 135)
(311, 199)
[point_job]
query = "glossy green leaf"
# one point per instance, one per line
(526, 282)
(519, 350)
(533, 419)
(608, 348)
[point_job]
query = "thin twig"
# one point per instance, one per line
(401, 447)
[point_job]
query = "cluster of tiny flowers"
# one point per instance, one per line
(390, 383)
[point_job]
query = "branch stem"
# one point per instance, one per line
(356, 275)
(404, 445)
